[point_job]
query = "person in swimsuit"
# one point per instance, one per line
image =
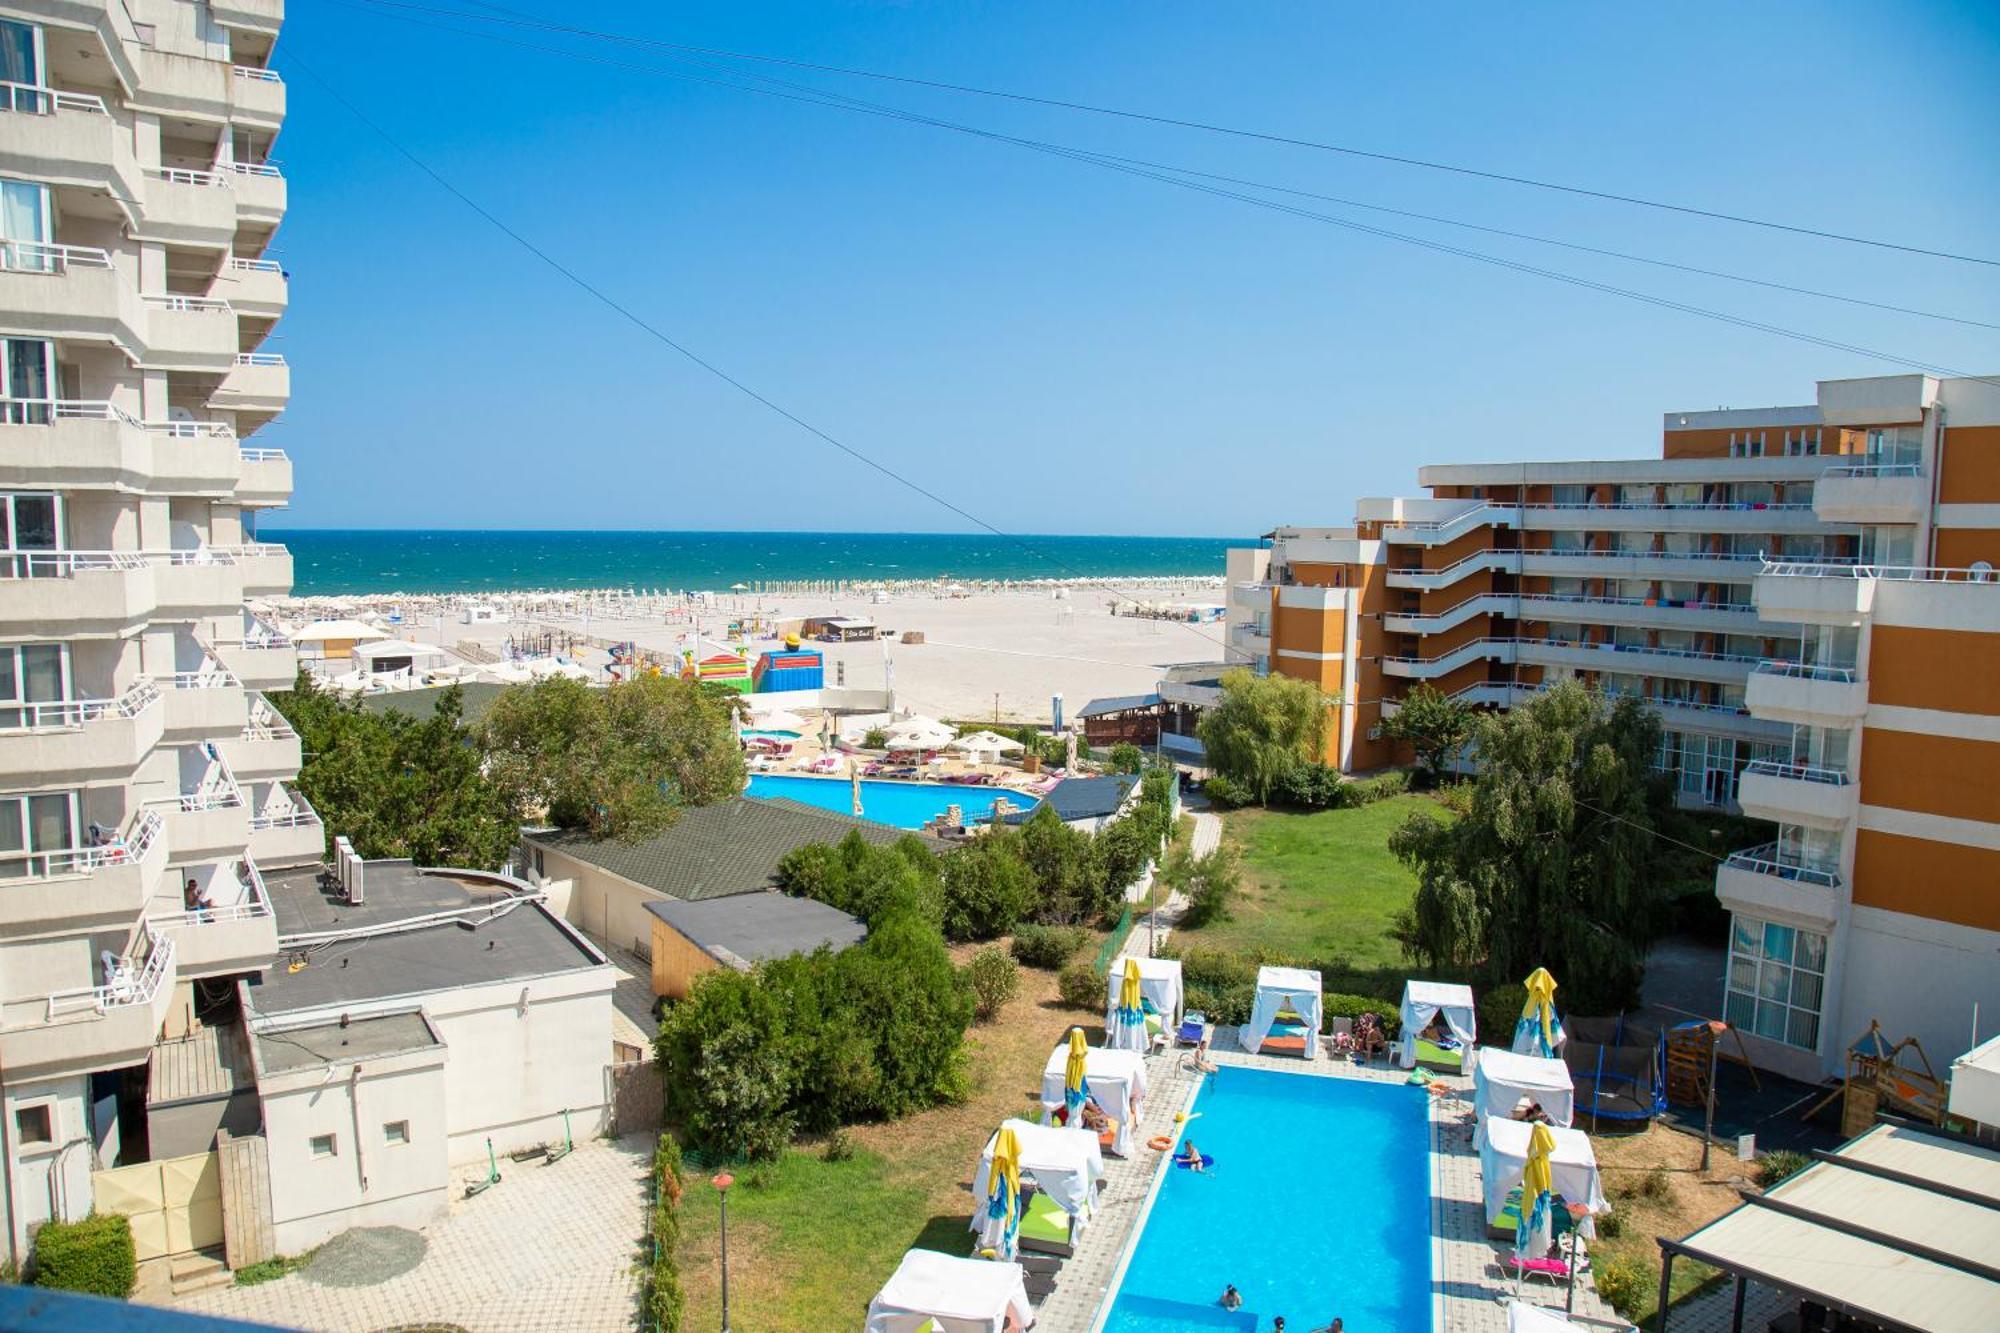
(1232, 1299)
(1190, 1155)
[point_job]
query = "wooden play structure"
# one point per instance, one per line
(1878, 1077)
(1692, 1050)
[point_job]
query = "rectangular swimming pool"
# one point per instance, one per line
(908, 805)
(1317, 1206)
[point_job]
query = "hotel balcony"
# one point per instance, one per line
(110, 883)
(1788, 793)
(107, 1026)
(265, 16)
(257, 97)
(63, 443)
(1761, 883)
(66, 594)
(255, 287)
(266, 570)
(1806, 694)
(82, 739)
(193, 457)
(1697, 617)
(258, 382)
(1634, 659)
(264, 477)
(192, 208)
(1872, 492)
(267, 663)
(193, 333)
(1250, 597)
(188, 585)
(69, 291)
(262, 751)
(1252, 640)
(208, 824)
(1814, 594)
(260, 193)
(228, 936)
(202, 705)
(62, 138)
(289, 834)
(1692, 566)
(1444, 663)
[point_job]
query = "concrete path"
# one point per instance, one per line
(550, 1249)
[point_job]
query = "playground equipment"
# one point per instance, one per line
(1877, 1076)
(1692, 1051)
(1617, 1064)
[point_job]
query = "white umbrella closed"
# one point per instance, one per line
(986, 742)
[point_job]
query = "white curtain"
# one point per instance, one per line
(1503, 1156)
(1065, 1164)
(1425, 1000)
(1500, 1079)
(1278, 989)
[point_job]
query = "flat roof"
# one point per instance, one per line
(1900, 1226)
(1084, 798)
(319, 1044)
(208, 1064)
(1118, 703)
(476, 698)
(748, 928)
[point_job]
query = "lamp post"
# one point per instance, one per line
(722, 1181)
(1715, 1031)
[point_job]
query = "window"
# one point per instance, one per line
(1803, 442)
(396, 1131)
(26, 380)
(1746, 444)
(1776, 977)
(323, 1145)
(32, 673)
(32, 1125)
(25, 226)
(37, 834)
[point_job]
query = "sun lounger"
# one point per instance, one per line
(1045, 1227)
(1555, 1270)
(1194, 1026)
(1439, 1055)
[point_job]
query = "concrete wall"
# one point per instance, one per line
(1921, 978)
(516, 1067)
(46, 1180)
(190, 1127)
(600, 904)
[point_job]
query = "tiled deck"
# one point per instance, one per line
(1466, 1274)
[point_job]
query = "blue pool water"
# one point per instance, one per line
(768, 733)
(1318, 1206)
(898, 804)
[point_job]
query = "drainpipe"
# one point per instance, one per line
(7, 1179)
(354, 1106)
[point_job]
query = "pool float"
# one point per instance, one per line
(1159, 1143)
(1182, 1162)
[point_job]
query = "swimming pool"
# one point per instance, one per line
(899, 804)
(1318, 1206)
(768, 733)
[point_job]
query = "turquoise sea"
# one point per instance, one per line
(377, 560)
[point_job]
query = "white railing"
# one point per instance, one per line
(257, 266)
(1640, 648)
(1875, 469)
(259, 359)
(212, 677)
(1511, 553)
(131, 849)
(222, 795)
(192, 430)
(262, 455)
(126, 987)
(65, 714)
(35, 100)
(1767, 860)
(1894, 573)
(260, 75)
(184, 176)
(44, 411)
(1801, 772)
(299, 816)
(254, 551)
(256, 904)
(40, 564)
(257, 169)
(1770, 666)
(206, 305)
(55, 260)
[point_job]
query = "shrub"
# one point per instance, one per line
(1123, 848)
(1654, 1185)
(839, 1146)
(1212, 969)
(1047, 947)
(665, 1302)
(1225, 1004)
(1125, 757)
(1623, 1281)
(988, 889)
(1226, 793)
(1499, 1009)
(1067, 869)
(1082, 986)
(94, 1255)
(876, 739)
(1610, 1226)
(1367, 791)
(1336, 1005)
(995, 979)
(1209, 881)
(1779, 1164)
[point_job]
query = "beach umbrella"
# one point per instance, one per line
(1003, 1195)
(985, 742)
(1536, 1231)
(776, 719)
(854, 776)
(1539, 1031)
(1076, 1087)
(1128, 1027)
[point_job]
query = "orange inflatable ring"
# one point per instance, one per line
(1159, 1143)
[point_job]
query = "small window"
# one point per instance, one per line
(32, 1125)
(396, 1131)
(322, 1145)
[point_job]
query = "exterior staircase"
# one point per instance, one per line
(199, 1271)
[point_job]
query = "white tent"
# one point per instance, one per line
(1525, 1318)
(985, 742)
(953, 1295)
(1117, 1083)
(774, 718)
(1065, 1164)
(396, 648)
(319, 631)
(1159, 982)
(1503, 1155)
(1278, 989)
(1425, 1000)
(1501, 1079)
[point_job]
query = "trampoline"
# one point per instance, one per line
(1618, 1065)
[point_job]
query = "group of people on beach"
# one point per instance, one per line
(1232, 1299)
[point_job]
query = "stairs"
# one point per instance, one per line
(199, 1271)
(1688, 1056)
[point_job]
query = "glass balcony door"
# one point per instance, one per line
(37, 833)
(25, 227)
(26, 381)
(31, 673)
(21, 66)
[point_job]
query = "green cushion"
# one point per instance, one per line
(1432, 1053)
(1045, 1221)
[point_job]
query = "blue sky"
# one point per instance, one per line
(1059, 348)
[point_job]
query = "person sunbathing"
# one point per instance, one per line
(1190, 1155)
(1533, 1114)
(1202, 1064)
(1093, 1117)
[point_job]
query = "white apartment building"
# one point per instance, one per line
(144, 783)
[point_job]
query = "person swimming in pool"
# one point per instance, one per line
(1190, 1155)
(1278, 1324)
(1232, 1299)
(1335, 1327)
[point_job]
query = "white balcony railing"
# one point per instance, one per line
(1768, 860)
(1844, 675)
(256, 904)
(39, 564)
(262, 455)
(1875, 468)
(58, 715)
(210, 677)
(1894, 573)
(257, 169)
(184, 176)
(299, 815)
(1798, 772)
(54, 260)
(259, 359)
(201, 305)
(131, 849)
(255, 74)
(129, 985)
(34, 100)
(47, 411)
(192, 430)
(256, 266)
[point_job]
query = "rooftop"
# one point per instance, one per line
(714, 851)
(1085, 798)
(748, 928)
(421, 704)
(206, 1064)
(343, 1040)
(1117, 703)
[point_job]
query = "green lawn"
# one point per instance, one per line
(1320, 886)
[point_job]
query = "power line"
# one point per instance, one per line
(515, 18)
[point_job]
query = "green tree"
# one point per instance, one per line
(1125, 757)
(1209, 881)
(988, 889)
(1435, 725)
(1554, 862)
(1069, 880)
(1263, 726)
(617, 761)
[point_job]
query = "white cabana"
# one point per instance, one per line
(1159, 983)
(985, 743)
(932, 1290)
(395, 650)
(1501, 1079)
(1064, 1164)
(542, 668)
(1523, 1317)
(1503, 1155)
(1117, 1083)
(1281, 989)
(320, 631)
(1425, 1000)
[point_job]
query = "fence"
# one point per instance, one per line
(1116, 942)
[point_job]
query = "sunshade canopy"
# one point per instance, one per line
(920, 733)
(1504, 1154)
(322, 630)
(1159, 982)
(962, 1295)
(1117, 1083)
(1425, 1000)
(397, 648)
(1500, 1079)
(1064, 1163)
(1279, 989)
(986, 742)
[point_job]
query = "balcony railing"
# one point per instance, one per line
(208, 678)
(256, 266)
(1477, 557)
(185, 176)
(1896, 573)
(258, 75)
(1844, 675)
(257, 169)
(299, 815)
(40, 564)
(126, 987)
(259, 359)
(192, 430)
(256, 903)
(130, 849)
(1875, 468)
(1767, 860)
(262, 455)
(35, 100)
(203, 305)
(45, 257)
(1798, 772)
(62, 714)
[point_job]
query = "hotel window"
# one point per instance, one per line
(27, 377)
(1569, 495)
(1803, 442)
(37, 834)
(1681, 493)
(396, 1131)
(1776, 977)
(1635, 543)
(1637, 495)
(1746, 444)
(33, 1125)
(323, 1145)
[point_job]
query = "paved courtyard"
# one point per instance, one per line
(550, 1249)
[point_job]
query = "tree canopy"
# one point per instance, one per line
(1435, 725)
(1263, 727)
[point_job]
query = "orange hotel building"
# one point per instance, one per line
(1807, 596)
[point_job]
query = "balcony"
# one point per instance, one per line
(95, 1027)
(193, 457)
(75, 593)
(267, 750)
(266, 570)
(1752, 518)
(1806, 694)
(258, 97)
(69, 291)
(288, 835)
(207, 825)
(1788, 793)
(194, 333)
(265, 16)
(1872, 492)
(80, 738)
(254, 287)
(257, 382)
(193, 208)
(267, 663)
(1637, 659)
(260, 193)
(202, 705)
(1704, 566)
(63, 138)
(1443, 664)
(1761, 882)
(190, 584)
(109, 883)
(1814, 594)
(264, 477)
(222, 938)
(64, 443)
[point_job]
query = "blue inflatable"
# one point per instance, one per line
(1182, 1162)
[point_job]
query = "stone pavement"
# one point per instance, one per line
(550, 1249)
(1711, 1312)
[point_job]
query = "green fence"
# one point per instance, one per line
(1116, 942)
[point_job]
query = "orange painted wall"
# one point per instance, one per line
(1319, 574)
(1956, 671)
(1305, 630)
(1437, 600)
(1455, 550)
(1938, 775)
(1971, 473)
(1961, 548)
(1696, 444)
(1940, 880)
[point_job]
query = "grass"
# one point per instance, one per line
(1657, 1189)
(270, 1270)
(1321, 886)
(811, 1240)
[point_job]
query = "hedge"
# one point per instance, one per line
(1048, 947)
(665, 1303)
(94, 1255)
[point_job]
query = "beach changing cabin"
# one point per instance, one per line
(792, 669)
